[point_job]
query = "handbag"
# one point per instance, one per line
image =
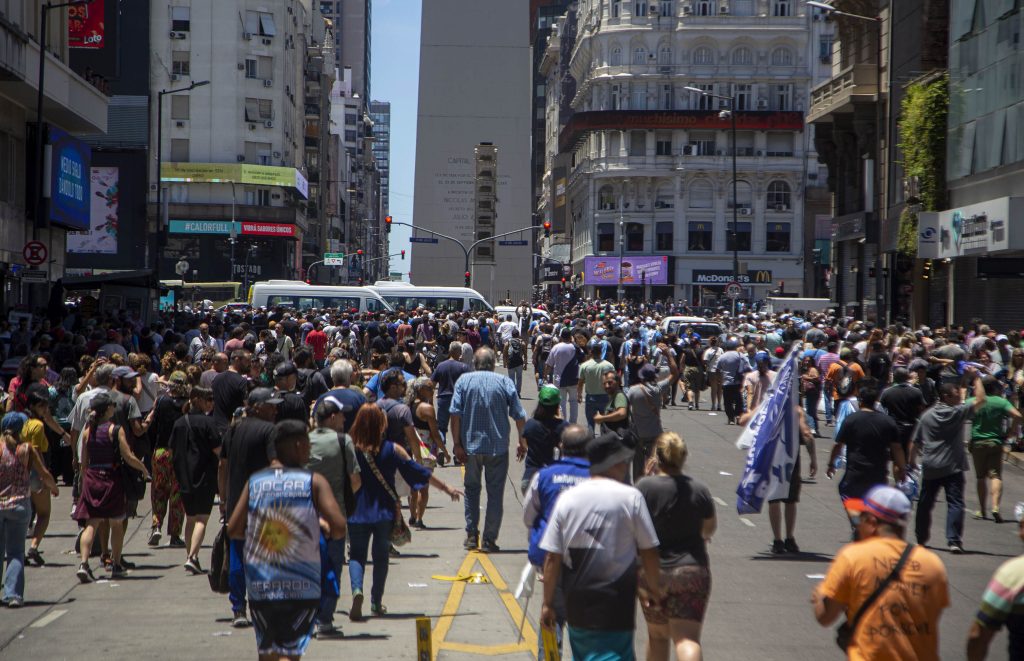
(844, 634)
(133, 481)
(220, 562)
(400, 533)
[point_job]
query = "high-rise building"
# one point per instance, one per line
(352, 23)
(668, 98)
(233, 179)
(380, 113)
(474, 67)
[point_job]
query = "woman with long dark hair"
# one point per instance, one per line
(32, 369)
(62, 402)
(377, 504)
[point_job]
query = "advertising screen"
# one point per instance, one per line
(69, 181)
(603, 271)
(101, 237)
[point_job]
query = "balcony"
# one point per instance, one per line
(852, 86)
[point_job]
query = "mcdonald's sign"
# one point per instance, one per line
(724, 277)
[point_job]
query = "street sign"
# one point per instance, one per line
(33, 275)
(513, 243)
(35, 253)
(181, 268)
(334, 259)
(733, 290)
(422, 239)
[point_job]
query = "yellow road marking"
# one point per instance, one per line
(451, 607)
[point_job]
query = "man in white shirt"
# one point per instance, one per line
(562, 368)
(505, 329)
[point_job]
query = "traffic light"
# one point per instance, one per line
(387, 224)
(468, 274)
(359, 252)
(360, 282)
(563, 282)
(547, 229)
(403, 255)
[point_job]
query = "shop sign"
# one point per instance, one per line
(724, 277)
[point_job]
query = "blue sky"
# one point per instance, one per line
(395, 78)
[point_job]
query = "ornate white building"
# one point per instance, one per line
(650, 162)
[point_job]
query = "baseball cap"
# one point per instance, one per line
(13, 422)
(886, 503)
(779, 351)
(600, 331)
(606, 451)
(285, 369)
(762, 357)
(648, 373)
(263, 396)
(549, 396)
(124, 372)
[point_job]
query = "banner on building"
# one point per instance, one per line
(69, 180)
(85, 25)
(101, 237)
(239, 173)
(223, 227)
(635, 271)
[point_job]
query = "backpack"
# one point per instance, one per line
(845, 384)
(515, 352)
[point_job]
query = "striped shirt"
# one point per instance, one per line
(1003, 604)
(825, 362)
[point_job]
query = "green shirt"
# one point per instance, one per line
(988, 427)
(334, 456)
(592, 373)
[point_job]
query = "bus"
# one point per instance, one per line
(438, 299)
(298, 295)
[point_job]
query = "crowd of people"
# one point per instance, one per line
(316, 433)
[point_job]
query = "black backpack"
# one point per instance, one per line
(845, 384)
(515, 352)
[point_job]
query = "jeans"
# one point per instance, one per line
(359, 542)
(444, 403)
(570, 406)
(826, 392)
(953, 485)
(592, 405)
(811, 407)
(13, 528)
(733, 401)
(516, 374)
(495, 470)
(236, 575)
(332, 559)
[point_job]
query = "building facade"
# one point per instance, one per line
(380, 113)
(650, 162)
(474, 68)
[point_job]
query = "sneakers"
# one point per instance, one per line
(790, 545)
(996, 517)
(378, 609)
(15, 602)
(35, 557)
(489, 546)
(84, 573)
(154, 537)
(956, 548)
(979, 514)
(327, 631)
(356, 612)
(778, 547)
(176, 543)
(192, 567)
(118, 571)
(126, 564)
(419, 525)
(471, 543)
(239, 620)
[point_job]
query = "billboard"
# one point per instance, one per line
(602, 271)
(101, 237)
(244, 228)
(239, 173)
(85, 25)
(69, 180)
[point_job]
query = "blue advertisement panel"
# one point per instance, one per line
(69, 181)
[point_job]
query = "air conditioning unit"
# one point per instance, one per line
(268, 83)
(180, 125)
(721, 152)
(781, 207)
(762, 104)
(267, 42)
(178, 35)
(688, 150)
(760, 153)
(240, 158)
(268, 124)
(241, 66)
(252, 127)
(687, 10)
(724, 9)
(152, 188)
(175, 77)
(247, 36)
(277, 154)
(746, 212)
(275, 196)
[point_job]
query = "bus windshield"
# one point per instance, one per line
(437, 303)
(315, 301)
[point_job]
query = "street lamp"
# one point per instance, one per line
(729, 113)
(159, 165)
(876, 203)
(40, 219)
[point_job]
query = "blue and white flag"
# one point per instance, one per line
(773, 439)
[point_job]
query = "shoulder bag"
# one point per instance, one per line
(844, 634)
(400, 533)
(133, 481)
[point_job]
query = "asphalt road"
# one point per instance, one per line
(759, 605)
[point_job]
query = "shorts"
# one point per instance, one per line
(283, 627)
(988, 460)
(795, 482)
(35, 482)
(198, 503)
(685, 592)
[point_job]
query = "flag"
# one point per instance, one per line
(772, 441)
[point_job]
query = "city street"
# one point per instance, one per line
(759, 605)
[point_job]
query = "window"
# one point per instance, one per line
(634, 237)
(702, 101)
(616, 98)
(666, 8)
(825, 48)
(705, 8)
(180, 21)
(702, 143)
(640, 8)
(252, 67)
(667, 97)
(742, 237)
(605, 237)
(639, 55)
(782, 97)
(782, 57)
(663, 144)
(744, 143)
(702, 195)
(743, 56)
(778, 196)
(639, 98)
(254, 150)
(665, 56)
(777, 237)
(616, 8)
(744, 97)
(258, 197)
(699, 236)
(637, 143)
(258, 110)
(179, 151)
(703, 55)
(742, 7)
(780, 144)
(782, 8)
(616, 57)
(664, 198)
(606, 199)
(743, 193)
(180, 63)
(540, 90)
(663, 237)
(260, 23)
(179, 106)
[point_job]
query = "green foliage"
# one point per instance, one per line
(922, 134)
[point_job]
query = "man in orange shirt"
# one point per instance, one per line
(903, 622)
(834, 378)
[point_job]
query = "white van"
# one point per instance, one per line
(440, 299)
(301, 296)
(505, 310)
(706, 329)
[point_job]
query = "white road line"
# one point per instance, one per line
(49, 618)
(747, 522)
(719, 501)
